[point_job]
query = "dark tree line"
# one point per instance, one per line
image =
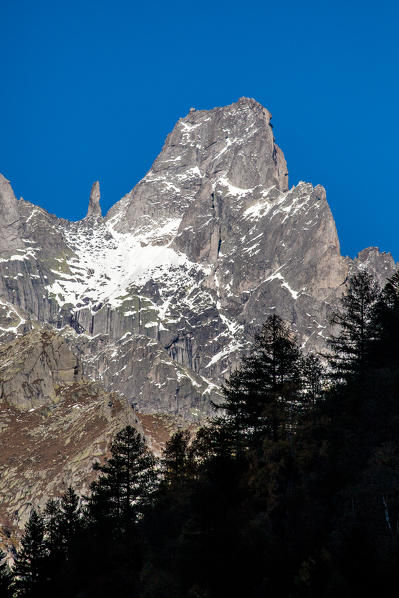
(291, 490)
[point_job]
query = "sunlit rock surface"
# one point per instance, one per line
(161, 297)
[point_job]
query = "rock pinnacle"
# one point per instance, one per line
(94, 210)
(10, 233)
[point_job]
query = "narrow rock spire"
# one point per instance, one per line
(10, 224)
(94, 210)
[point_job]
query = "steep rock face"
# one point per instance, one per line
(10, 225)
(160, 298)
(236, 141)
(13, 321)
(34, 367)
(139, 368)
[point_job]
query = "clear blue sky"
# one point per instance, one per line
(90, 89)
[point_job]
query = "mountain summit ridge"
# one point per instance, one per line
(202, 145)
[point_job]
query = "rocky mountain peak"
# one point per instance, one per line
(381, 263)
(255, 106)
(94, 209)
(231, 145)
(159, 300)
(164, 294)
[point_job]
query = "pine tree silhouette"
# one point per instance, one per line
(30, 560)
(126, 483)
(5, 577)
(176, 458)
(260, 393)
(356, 329)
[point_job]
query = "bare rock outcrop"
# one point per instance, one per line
(34, 367)
(10, 223)
(94, 209)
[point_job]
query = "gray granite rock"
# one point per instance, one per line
(160, 299)
(94, 209)
(34, 367)
(10, 224)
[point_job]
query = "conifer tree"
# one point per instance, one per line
(176, 458)
(126, 483)
(70, 517)
(5, 577)
(30, 560)
(218, 439)
(52, 515)
(312, 378)
(385, 348)
(260, 394)
(53, 540)
(355, 319)
(118, 500)
(62, 520)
